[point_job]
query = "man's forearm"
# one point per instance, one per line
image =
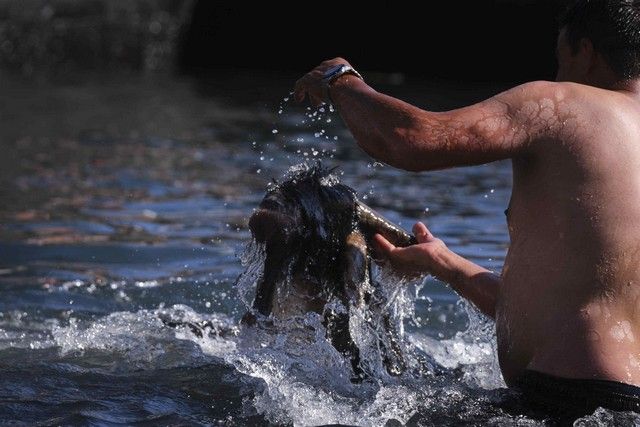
(407, 137)
(471, 281)
(379, 123)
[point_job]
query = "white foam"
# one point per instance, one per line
(140, 338)
(605, 418)
(473, 350)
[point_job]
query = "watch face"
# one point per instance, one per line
(333, 71)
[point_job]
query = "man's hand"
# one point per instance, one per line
(431, 256)
(415, 260)
(311, 83)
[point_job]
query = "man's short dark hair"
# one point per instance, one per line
(613, 26)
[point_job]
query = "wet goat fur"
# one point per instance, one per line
(311, 240)
(305, 223)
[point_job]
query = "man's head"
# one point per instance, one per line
(596, 34)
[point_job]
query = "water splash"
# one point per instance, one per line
(300, 378)
(252, 259)
(307, 133)
(603, 418)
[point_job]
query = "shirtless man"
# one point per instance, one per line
(567, 304)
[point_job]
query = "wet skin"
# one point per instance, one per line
(567, 300)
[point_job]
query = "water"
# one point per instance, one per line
(125, 206)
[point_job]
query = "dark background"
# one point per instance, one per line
(499, 41)
(470, 41)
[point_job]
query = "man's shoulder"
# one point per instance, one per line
(558, 91)
(540, 89)
(547, 110)
(557, 99)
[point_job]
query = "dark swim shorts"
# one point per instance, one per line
(567, 398)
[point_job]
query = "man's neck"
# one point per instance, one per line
(605, 78)
(631, 86)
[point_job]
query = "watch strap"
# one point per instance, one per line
(333, 73)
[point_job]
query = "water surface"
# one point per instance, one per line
(125, 203)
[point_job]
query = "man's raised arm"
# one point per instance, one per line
(407, 137)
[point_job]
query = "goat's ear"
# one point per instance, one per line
(356, 267)
(265, 225)
(274, 273)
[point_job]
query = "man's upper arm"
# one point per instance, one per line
(500, 127)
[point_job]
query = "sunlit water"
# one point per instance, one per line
(126, 205)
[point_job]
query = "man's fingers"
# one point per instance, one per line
(421, 232)
(383, 245)
(311, 83)
(315, 100)
(299, 91)
(308, 85)
(301, 87)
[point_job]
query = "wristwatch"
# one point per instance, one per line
(333, 73)
(338, 70)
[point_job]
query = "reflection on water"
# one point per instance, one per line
(125, 207)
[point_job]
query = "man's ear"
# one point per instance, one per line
(587, 54)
